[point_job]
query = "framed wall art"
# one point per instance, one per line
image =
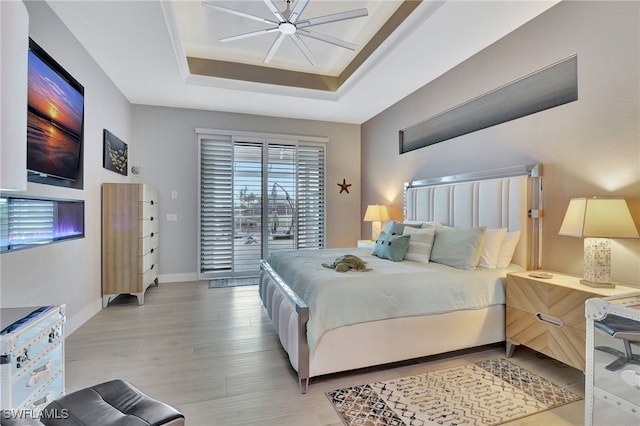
(115, 154)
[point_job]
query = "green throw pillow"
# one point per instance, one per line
(460, 248)
(392, 247)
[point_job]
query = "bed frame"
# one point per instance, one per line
(505, 198)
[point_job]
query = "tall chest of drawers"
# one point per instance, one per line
(129, 240)
(31, 357)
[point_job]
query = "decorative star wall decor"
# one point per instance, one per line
(344, 186)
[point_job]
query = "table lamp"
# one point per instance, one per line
(376, 214)
(596, 220)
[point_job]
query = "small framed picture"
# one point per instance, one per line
(115, 154)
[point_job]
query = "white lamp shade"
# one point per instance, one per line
(376, 213)
(598, 218)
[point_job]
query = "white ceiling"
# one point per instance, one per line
(142, 46)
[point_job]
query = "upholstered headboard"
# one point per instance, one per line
(504, 198)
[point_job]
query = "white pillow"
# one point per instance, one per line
(491, 249)
(507, 249)
(420, 243)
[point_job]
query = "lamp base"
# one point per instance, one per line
(597, 285)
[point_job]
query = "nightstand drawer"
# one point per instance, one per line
(562, 342)
(563, 303)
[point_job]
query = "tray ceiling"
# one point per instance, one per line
(168, 53)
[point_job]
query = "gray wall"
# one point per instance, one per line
(163, 143)
(69, 272)
(590, 147)
(166, 148)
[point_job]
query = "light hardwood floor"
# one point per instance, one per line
(213, 355)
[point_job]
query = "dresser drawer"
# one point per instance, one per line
(149, 227)
(148, 210)
(562, 342)
(30, 382)
(50, 390)
(148, 242)
(149, 260)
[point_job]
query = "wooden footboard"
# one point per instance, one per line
(289, 316)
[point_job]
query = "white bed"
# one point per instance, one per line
(506, 198)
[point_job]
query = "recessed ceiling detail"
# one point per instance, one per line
(289, 24)
(281, 65)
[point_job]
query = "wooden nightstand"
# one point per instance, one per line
(548, 315)
(366, 243)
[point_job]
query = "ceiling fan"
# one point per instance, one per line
(289, 24)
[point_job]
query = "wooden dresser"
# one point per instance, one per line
(31, 357)
(548, 315)
(129, 240)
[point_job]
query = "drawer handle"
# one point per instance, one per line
(39, 404)
(151, 218)
(556, 322)
(39, 373)
(152, 235)
(152, 266)
(151, 202)
(151, 251)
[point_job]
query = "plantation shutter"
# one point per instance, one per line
(216, 204)
(311, 207)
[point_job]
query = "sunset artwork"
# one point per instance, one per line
(54, 121)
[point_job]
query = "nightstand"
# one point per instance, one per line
(548, 314)
(366, 243)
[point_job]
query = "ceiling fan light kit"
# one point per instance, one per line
(289, 24)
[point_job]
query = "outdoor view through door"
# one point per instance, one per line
(257, 195)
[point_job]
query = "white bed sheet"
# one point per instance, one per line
(389, 290)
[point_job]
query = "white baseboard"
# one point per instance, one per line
(175, 278)
(74, 322)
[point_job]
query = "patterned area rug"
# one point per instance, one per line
(485, 393)
(232, 282)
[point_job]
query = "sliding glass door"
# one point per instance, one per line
(257, 195)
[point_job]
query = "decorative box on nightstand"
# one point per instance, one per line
(366, 243)
(31, 357)
(612, 387)
(547, 314)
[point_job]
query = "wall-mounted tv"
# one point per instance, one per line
(55, 118)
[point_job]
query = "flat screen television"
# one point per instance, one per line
(55, 118)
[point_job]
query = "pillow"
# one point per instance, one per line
(392, 247)
(420, 243)
(458, 247)
(507, 249)
(421, 223)
(491, 249)
(395, 228)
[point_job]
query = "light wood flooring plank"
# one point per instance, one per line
(213, 355)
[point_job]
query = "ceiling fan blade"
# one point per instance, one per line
(304, 49)
(272, 7)
(247, 35)
(297, 10)
(335, 17)
(328, 39)
(238, 13)
(274, 48)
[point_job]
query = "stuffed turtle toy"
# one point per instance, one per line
(348, 262)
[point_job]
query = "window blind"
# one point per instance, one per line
(26, 222)
(239, 224)
(311, 189)
(216, 205)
